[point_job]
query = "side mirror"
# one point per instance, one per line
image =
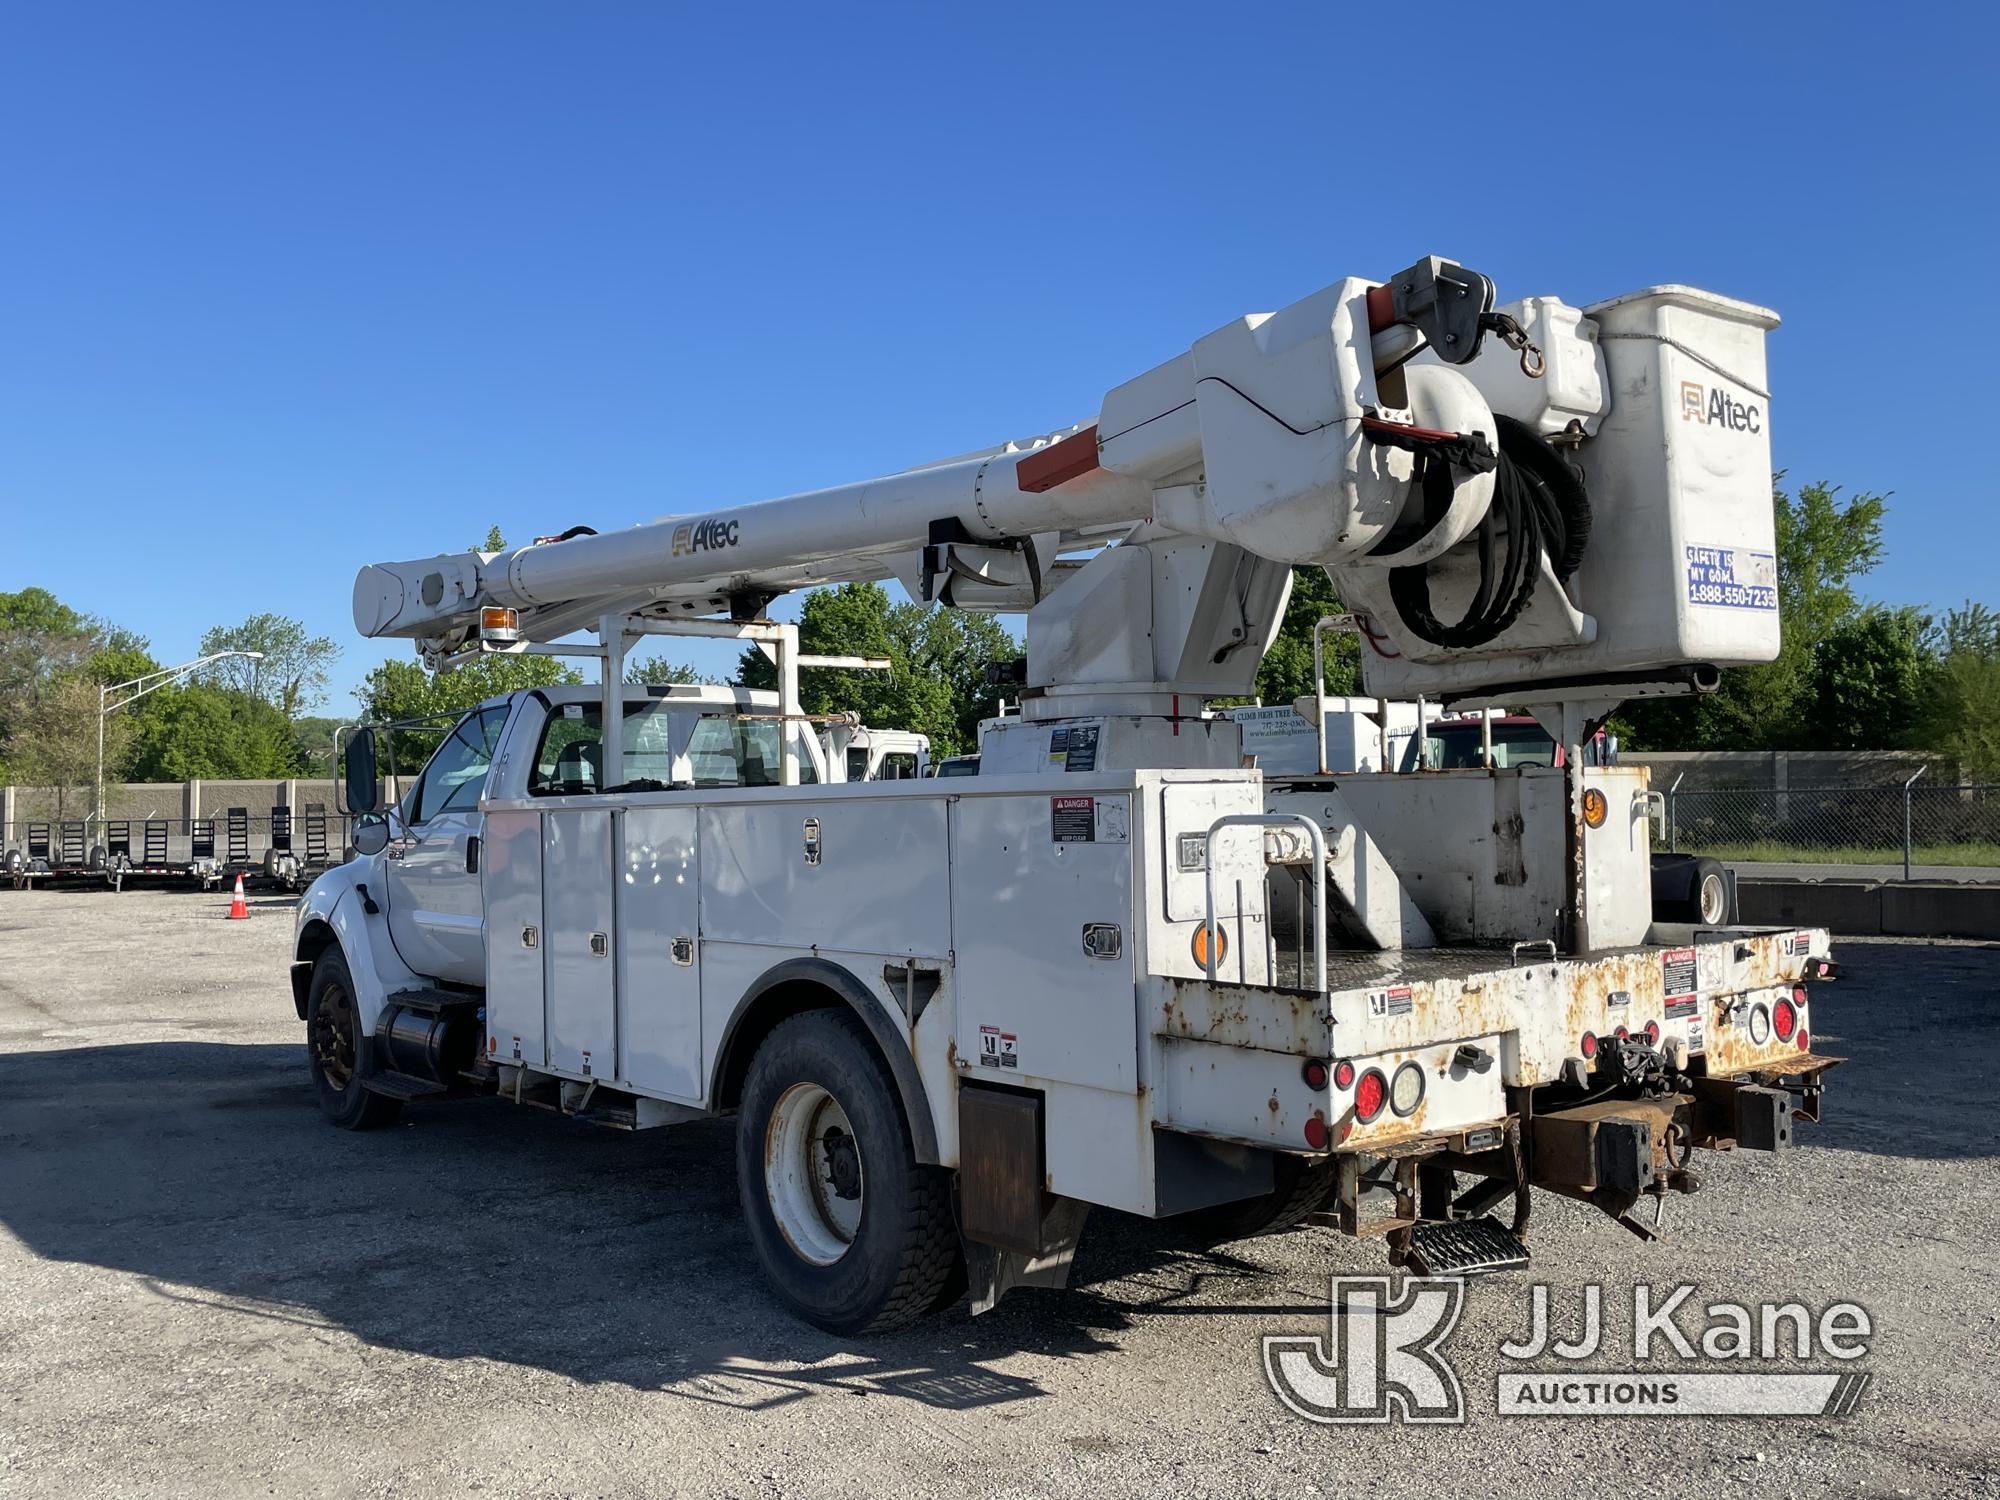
(371, 833)
(363, 786)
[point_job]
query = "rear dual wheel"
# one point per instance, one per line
(855, 1234)
(1300, 1188)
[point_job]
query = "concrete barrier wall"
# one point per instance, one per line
(1873, 909)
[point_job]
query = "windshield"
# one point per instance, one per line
(456, 774)
(1456, 747)
(720, 749)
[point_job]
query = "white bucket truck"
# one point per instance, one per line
(1119, 966)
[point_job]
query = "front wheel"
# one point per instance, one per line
(855, 1234)
(333, 1049)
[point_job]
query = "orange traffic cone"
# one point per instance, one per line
(239, 909)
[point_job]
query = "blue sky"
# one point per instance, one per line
(285, 289)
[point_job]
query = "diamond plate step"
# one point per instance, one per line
(1464, 1247)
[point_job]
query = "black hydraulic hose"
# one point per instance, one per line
(1539, 507)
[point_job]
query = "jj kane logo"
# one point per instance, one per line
(1383, 1359)
(703, 536)
(1715, 408)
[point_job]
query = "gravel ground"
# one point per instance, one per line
(205, 1290)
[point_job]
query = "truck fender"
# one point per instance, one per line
(732, 1058)
(330, 911)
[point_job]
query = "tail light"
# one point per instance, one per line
(1406, 1089)
(1587, 1044)
(1316, 1132)
(1805, 1042)
(1343, 1074)
(1784, 1019)
(1760, 1025)
(1370, 1095)
(1314, 1073)
(1653, 1032)
(1621, 1033)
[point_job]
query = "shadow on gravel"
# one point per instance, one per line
(478, 1230)
(1918, 1024)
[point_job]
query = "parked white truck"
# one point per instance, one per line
(1120, 966)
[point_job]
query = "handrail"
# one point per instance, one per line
(1267, 820)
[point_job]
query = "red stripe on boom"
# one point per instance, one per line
(1058, 463)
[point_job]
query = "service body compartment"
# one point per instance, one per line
(659, 953)
(580, 977)
(1034, 875)
(510, 875)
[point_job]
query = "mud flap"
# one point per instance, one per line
(992, 1272)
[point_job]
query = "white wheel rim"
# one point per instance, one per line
(812, 1173)
(1712, 899)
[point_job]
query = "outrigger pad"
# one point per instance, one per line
(1464, 1247)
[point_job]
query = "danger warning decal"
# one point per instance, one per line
(1073, 820)
(1677, 981)
(997, 1048)
(1399, 1001)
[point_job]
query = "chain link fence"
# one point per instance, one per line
(1909, 826)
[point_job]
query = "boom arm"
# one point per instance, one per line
(1355, 429)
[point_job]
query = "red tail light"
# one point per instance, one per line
(1587, 1044)
(1316, 1133)
(1343, 1074)
(1370, 1094)
(1314, 1073)
(1784, 1020)
(1652, 1031)
(1621, 1033)
(1805, 1042)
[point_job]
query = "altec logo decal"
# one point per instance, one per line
(1715, 408)
(703, 536)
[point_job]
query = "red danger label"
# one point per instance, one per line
(1677, 970)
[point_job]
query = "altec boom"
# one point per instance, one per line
(1120, 965)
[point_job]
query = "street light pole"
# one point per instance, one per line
(142, 685)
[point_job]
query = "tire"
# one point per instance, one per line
(1300, 1189)
(333, 1052)
(1708, 897)
(855, 1235)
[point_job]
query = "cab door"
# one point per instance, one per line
(436, 916)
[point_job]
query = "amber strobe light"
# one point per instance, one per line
(1203, 935)
(1594, 807)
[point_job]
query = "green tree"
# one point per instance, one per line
(936, 684)
(292, 673)
(400, 690)
(1865, 683)
(45, 644)
(1826, 544)
(494, 542)
(1286, 673)
(660, 670)
(313, 734)
(205, 731)
(53, 739)
(1960, 713)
